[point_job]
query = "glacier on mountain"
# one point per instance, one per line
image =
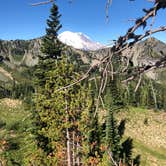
(79, 41)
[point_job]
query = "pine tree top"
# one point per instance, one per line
(51, 46)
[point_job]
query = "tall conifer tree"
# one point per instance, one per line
(51, 46)
(51, 49)
(59, 112)
(112, 135)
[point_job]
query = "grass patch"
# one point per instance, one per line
(16, 140)
(149, 155)
(147, 129)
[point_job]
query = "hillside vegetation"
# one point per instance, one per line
(16, 139)
(147, 128)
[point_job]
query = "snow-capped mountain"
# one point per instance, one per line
(79, 41)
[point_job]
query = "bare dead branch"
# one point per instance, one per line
(149, 32)
(138, 84)
(108, 3)
(122, 44)
(99, 95)
(141, 70)
(111, 158)
(42, 3)
(83, 77)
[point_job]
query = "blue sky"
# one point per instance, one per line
(19, 20)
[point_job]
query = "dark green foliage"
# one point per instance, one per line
(15, 126)
(18, 51)
(126, 152)
(51, 46)
(121, 128)
(121, 151)
(137, 160)
(13, 144)
(2, 124)
(116, 92)
(4, 92)
(1, 58)
(93, 135)
(112, 135)
(131, 95)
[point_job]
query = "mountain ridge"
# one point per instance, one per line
(15, 56)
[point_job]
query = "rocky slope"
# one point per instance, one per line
(19, 52)
(17, 55)
(148, 51)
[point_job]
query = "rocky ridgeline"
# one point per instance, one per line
(16, 54)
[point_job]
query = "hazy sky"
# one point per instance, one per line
(19, 20)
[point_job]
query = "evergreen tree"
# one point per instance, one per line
(51, 46)
(93, 138)
(112, 136)
(51, 49)
(59, 114)
(115, 149)
(90, 130)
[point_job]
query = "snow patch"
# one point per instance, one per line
(79, 41)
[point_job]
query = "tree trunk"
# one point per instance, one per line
(77, 150)
(68, 148)
(73, 148)
(69, 163)
(154, 95)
